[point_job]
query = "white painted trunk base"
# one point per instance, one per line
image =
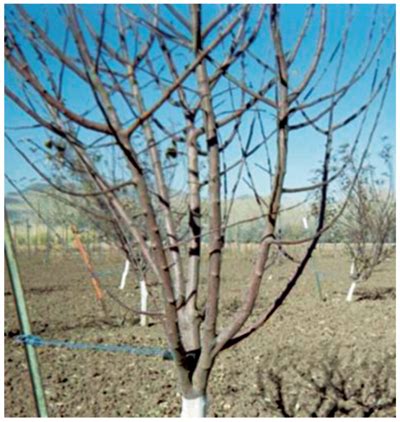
(194, 408)
(124, 275)
(349, 297)
(143, 302)
(352, 268)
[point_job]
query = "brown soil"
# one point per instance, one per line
(311, 351)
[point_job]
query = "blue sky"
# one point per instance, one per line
(306, 147)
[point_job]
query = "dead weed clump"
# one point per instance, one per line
(329, 386)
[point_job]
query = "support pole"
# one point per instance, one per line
(312, 264)
(23, 317)
(28, 237)
(15, 237)
(48, 246)
(36, 238)
(94, 278)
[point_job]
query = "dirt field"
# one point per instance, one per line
(313, 358)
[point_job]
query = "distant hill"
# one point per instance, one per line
(12, 199)
(244, 208)
(20, 212)
(38, 187)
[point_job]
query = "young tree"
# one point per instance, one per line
(187, 98)
(369, 222)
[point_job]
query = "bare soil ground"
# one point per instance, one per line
(313, 358)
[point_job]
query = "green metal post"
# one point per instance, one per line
(33, 363)
(317, 279)
(28, 237)
(312, 264)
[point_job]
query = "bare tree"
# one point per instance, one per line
(369, 222)
(192, 100)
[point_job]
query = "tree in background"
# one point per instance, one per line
(193, 103)
(369, 223)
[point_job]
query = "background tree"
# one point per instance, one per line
(369, 223)
(195, 103)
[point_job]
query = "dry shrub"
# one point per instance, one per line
(332, 386)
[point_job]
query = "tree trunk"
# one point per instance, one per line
(143, 303)
(194, 407)
(349, 297)
(124, 274)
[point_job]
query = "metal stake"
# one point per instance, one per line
(33, 363)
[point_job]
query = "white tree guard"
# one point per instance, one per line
(349, 297)
(143, 302)
(124, 274)
(194, 408)
(305, 223)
